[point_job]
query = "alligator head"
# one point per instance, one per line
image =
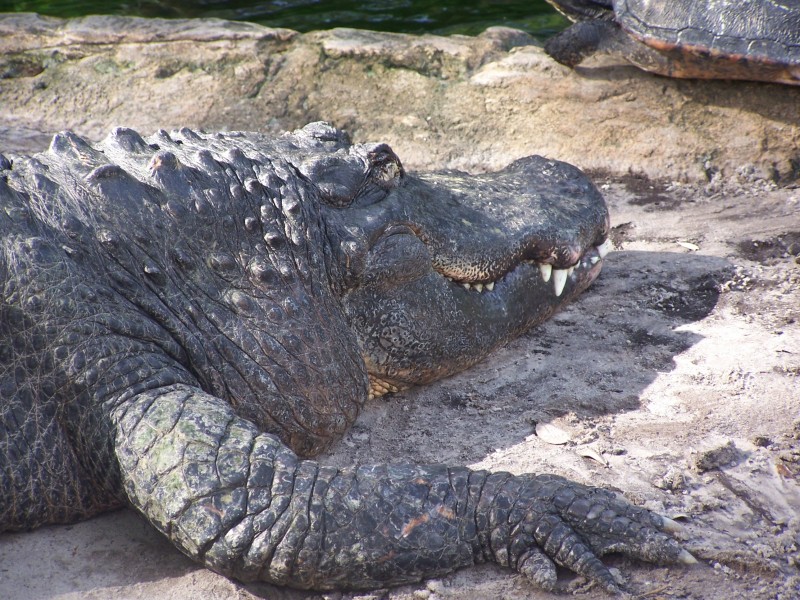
(439, 269)
(420, 276)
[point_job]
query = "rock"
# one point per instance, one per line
(462, 102)
(724, 456)
(674, 480)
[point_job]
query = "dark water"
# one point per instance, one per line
(410, 16)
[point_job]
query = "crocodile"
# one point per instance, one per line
(188, 319)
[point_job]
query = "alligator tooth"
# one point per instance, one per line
(570, 270)
(594, 260)
(559, 280)
(604, 248)
(466, 285)
(546, 270)
(478, 286)
(490, 286)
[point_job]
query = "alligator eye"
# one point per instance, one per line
(384, 173)
(385, 168)
(361, 177)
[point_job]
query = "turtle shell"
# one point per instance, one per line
(750, 32)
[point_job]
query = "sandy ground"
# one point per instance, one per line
(676, 377)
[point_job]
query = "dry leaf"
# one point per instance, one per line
(552, 434)
(589, 452)
(689, 246)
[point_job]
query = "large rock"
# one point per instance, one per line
(461, 102)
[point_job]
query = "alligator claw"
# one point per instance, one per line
(553, 521)
(670, 526)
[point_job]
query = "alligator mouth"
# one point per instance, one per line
(558, 276)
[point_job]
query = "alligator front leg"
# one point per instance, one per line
(242, 503)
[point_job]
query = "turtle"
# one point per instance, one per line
(757, 40)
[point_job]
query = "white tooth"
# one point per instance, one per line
(466, 286)
(545, 270)
(570, 270)
(594, 260)
(559, 280)
(478, 286)
(490, 286)
(604, 248)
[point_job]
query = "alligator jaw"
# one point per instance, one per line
(448, 266)
(558, 276)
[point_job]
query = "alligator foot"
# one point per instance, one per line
(538, 522)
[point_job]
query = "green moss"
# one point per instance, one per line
(108, 66)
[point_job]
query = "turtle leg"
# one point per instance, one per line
(585, 38)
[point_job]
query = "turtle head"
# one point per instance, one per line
(584, 10)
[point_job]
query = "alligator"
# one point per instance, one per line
(188, 319)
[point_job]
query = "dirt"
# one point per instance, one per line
(676, 378)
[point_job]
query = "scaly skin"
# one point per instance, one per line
(245, 505)
(182, 318)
